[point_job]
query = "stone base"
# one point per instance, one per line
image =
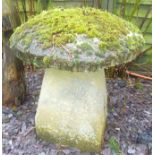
(72, 109)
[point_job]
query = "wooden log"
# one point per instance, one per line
(13, 84)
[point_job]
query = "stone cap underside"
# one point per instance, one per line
(77, 40)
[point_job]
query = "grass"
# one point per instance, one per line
(138, 85)
(114, 146)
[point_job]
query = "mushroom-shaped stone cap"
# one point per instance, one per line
(77, 39)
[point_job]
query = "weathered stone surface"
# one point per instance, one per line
(141, 149)
(137, 149)
(5, 119)
(107, 151)
(72, 109)
(77, 39)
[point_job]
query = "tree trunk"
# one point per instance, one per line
(13, 91)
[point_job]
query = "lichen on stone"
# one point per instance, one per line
(53, 30)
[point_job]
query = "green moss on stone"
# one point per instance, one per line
(46, 60)
(59, 26)
(27, 41)
(46, 44)
(91, 32)
(103, 45)
(85, 46)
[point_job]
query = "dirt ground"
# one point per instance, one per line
(129, 121)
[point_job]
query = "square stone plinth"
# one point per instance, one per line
(72, 109)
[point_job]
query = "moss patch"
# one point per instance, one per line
(96, 39)
(60, 26)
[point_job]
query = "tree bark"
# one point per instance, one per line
(13, 83)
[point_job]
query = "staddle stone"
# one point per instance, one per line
(75, 46)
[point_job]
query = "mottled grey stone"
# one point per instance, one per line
(5, 119)
(131, 150)
(106, 151)
(66, 151)
(53, 152)
(141, 149)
